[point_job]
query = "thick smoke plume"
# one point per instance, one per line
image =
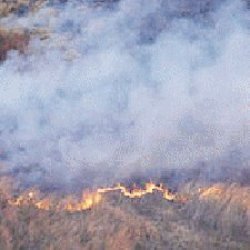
(124, 87)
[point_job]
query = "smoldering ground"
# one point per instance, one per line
(126, 88)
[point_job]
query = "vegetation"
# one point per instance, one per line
(208, 220)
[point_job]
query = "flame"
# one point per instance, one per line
(43, 204)
(150, 187)
(89, 199)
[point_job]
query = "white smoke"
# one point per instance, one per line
(126, 88)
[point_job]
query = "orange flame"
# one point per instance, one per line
(90, 199)
(150, 187)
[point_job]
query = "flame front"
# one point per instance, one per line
(90, 199)
(150, 187)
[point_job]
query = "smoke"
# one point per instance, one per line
(125, 87)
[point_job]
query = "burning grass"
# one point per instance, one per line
(89, 198)
(214, 217)
(206, 211)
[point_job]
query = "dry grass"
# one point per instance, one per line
(12, 40)
(120, 223)
(19, 7)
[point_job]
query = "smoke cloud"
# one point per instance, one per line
(125, 87)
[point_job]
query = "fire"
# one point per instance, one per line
(89, 199)
(43, 204)
(150, 187)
